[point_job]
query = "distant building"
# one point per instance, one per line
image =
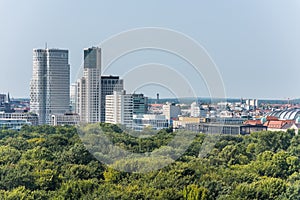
(89, 87)
(73, 97)
(229, 120)
(65, 119)
(29, 117)
(274, 124)
(155, 109)
(119, 108)
(140, 104)
(50, 83)
(13, 124)
(155, 122)
(171, 111)
(109, 84)
(183, 121)
(213, 128)
(290, 113)
(2, 98)
(195, 109)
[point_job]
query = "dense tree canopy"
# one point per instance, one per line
(47, 162)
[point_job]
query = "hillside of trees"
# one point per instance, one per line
(47, 162)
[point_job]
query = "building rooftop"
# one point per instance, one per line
(288, 114)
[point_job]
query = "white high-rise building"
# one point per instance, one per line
(119, 108)
(89, 87)
(50, 83)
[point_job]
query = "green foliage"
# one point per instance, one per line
(47, 162)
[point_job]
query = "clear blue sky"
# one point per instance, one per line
(255, 44)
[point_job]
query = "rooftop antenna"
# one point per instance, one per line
(46, 45)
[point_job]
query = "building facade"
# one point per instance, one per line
(89, 87)
(65, 119)
(119, 108)
(109, 84)
(29, 117)
(13, 124)
(50, 83)
(171, 111)
(155, 122)
(140, 104)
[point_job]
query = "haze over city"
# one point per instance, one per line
(254, 44)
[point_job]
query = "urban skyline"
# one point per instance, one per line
(258, 45)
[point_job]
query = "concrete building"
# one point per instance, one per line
(29, 117)
(119, 108)
(183, 121)
(171, 111)
(197, 110)
(13, 124)
(109, 84)
(156, 122)
(211, 128)
(89, 87)
(50, 83)
(65, 119)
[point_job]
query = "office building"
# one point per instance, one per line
(50, 83)
(119, 108)
(65, 119)
(109, 84)
(89, 87)
(140, 104)
(13, 124)
(214, 128)
(73, 97)
(171, 110)
(155, 122)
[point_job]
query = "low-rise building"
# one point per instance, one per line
(213, 128)
(13, 124)
(183, 121)
(65, 119)
(29, 117)
(156, 122)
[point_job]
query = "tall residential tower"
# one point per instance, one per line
(50, 83)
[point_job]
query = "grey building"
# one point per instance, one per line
(88, 101)
(214, 128)
(29, 117)
(109, 84)
(50, 83)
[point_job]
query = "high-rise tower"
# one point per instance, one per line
(89, 87)
(50, 83)
(109, 84)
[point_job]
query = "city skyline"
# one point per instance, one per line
(258, 46)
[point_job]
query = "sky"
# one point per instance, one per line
(254, 44)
